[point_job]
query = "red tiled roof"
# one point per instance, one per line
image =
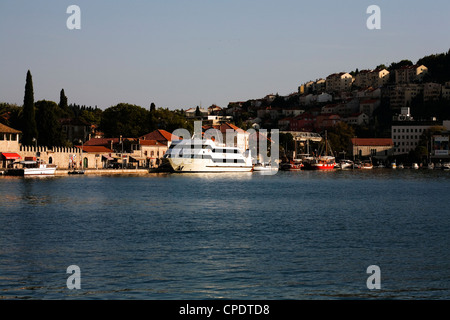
(371, 142)
(101, 141)
(6, 129)
(224, 127)
(159, 135)
(95, 149)
(150, 143)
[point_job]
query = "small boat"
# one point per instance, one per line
(393, 165)
(401, 166)
(415, 166)
(260, 167)
(346, 164)
(32, 167)
(76, 172)
(367, 165)
(446, 166)
(293, 165)
(430, 166)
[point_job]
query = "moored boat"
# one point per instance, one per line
(31, 167)
(292, 165)
(261, 167)
(320, 163)
(204, 155)
(346, 164)
(367, 165)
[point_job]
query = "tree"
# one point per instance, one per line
(125, 119)
(48, 125)
(340, 136)
(63, 100)
(29, 128)
(152, 107)
(198, 113)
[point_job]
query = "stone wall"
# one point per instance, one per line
(64, 158)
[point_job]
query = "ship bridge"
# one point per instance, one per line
(304, 136)
(300, 138)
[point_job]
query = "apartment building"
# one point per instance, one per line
(339, 82)
(406, 134)
(410, 74)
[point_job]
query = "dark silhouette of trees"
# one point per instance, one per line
(29, 128)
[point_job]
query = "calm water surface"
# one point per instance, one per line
(295, 235)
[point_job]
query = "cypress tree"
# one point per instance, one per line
(63, 101)
(29, 128)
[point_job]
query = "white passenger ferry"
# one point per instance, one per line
(31, 167)
(204, 155)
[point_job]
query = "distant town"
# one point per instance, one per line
(398, 112)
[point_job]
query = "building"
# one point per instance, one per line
(9, 145)
(75, 129)
(192, 113)
(432, 91)
(214, 110)
(339, 82)
(147, 153)
(372, 147)
(304, 122)
(368, 106)
(231, 135)
(216, 119)
(363, 79)
(379, 78)
(406, 134)
(324, 97)
(99, 156)
(326, 121)
(162, 136)
(402, 95)
(410, 74)
(445, 91)
(357, 119)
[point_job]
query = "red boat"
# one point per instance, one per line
(293, 165)
(321, 163)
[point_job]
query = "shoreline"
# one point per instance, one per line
(64, 172)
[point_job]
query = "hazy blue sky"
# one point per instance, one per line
(179, 54)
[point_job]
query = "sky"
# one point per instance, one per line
(183, 53)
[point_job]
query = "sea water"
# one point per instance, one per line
(293, 235)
